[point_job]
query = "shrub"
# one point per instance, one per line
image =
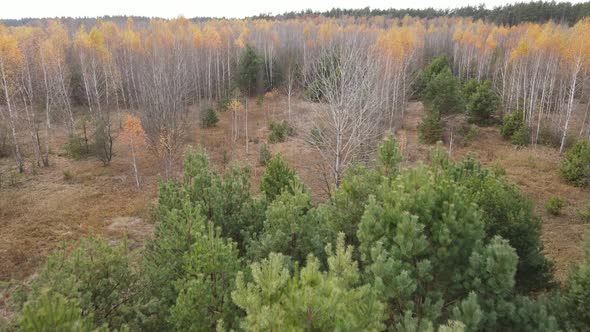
(4, 141)
(68, 176)
(511, 123)
(575, 165)
(521, 137)
(208, 117)
(76, 147)
(466, 133)
(584, 213)
(264, 154)
(259, 100)
(430, 129)
(103, 142)
(223, 104)
(554, 205)
(279, 131)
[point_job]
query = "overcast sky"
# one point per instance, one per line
(211, 8)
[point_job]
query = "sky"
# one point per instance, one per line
(206, 8)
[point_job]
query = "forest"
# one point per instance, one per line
(352, 170)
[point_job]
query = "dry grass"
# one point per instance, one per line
(43, 209)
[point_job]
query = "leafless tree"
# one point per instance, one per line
(348, 117)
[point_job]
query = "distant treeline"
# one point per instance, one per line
(74, 22)
(510, 14)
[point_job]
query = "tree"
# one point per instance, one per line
(134, 136)
(292, 227)
(250, 74)
(575, 165)
(10, 59)
(277, 177)
(424, 243)
(204, 298)
(442, 94)
(311, 299)
(97, 277)
(576, 293)
(509, 214)
(53, 312)
(431, 128)
(482, 104)
(344, 79)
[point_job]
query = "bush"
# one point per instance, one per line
(584, 213)
(208, 117)
(259, 100)
(68, 176)
(465, 134)
(223, 104)
(279, 131)
(511, 123)
(554, 205)
(103, 142)
(76, 148)
(521, 137)
(575, 165)
(4, 141)
(264, 154)
(430, 129)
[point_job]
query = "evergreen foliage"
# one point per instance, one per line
(554, 205)
(431, 128)
(279, 131)
(311, 299)
(208, 117)
(204, 299)
(575, 165)
(511, 123)
(277, 177)
(250, 77)
(575, 299)
(52, 312)
(509, 214)
(445, 246)
(97, 276)
(443, 94)
(435, 67)
(481, 103)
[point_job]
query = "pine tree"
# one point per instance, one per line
(292, 227)
(482, 104)
(310, 299)
(53, 312)
(277, 178)
(210, 269)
